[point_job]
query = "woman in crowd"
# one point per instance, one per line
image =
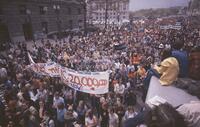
(90, 119)
(113, 118)
(130, 113)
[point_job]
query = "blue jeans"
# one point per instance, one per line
(151, 72)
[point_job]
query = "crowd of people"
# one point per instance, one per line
(129, 53)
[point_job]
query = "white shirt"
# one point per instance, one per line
(57, 101)
(3, 72)
(90, 122)
(129, 115)
(119, 88)
(113, 120)
(117, 65)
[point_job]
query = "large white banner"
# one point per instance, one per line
(92, 82)
(175, 27)
(89, 82)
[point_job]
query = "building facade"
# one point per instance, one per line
(117, 11)
(22, 20)
(194, 8)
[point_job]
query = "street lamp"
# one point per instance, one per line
(84, 4)
(57, 11)
(28, 12)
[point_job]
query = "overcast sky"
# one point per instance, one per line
(145, 4)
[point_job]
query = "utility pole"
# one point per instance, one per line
(28, 12)
(83, 3)
(85, 17)
(106, 14)
(57, 11)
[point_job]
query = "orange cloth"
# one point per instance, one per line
(131, 74)
(136, 59)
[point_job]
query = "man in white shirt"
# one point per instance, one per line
(119, 88)
(57, 100)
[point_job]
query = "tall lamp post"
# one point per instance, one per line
(28, 12)
(84, 4)
(57, 11)
(106, 13)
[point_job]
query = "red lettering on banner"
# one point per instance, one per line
(83, 79)
(54, 70)
(70, 78)
(95, 82)
(77, 80)
(87, 81)
(102, 82)
(63, 76)
(90, 82)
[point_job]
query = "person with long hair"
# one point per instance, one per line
(90, 119)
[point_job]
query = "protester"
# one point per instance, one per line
(90, 119)
(182, 58)
(113, 118)
(167, 71)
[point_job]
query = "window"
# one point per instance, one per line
(56, 8)
(79, 11)
(69, 11)
(43, 10)
(22, 9)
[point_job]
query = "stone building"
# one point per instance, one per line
(194, 8)
(30, 19)
(117, 10)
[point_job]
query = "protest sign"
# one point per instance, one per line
(93, 83)
(88, 82)
(49, 69)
